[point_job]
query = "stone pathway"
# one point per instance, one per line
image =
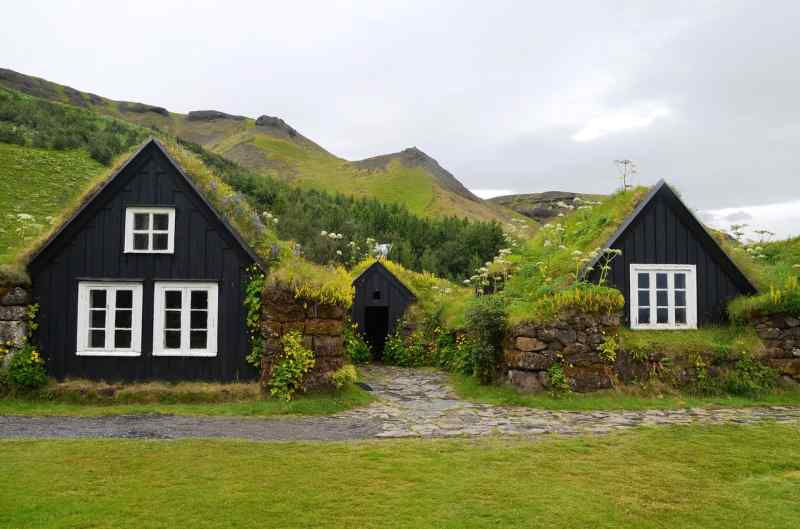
(413, 403)
(419, 403)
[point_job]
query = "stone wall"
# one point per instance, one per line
(14, 302)
(781, 336)
(573, 340)
(321, 325)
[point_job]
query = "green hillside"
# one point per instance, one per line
(271, 147)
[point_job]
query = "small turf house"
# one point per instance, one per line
(144, 281)
(672, 272)
(380, 301)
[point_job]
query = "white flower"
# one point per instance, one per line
(338, 252)
(275, 220)
(24, 216)
(466, 281)
(323, 233)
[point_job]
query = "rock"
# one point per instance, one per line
(548, 335)
(534, 361)
(13, 332)
(566, 336)
(770, 333)
(792, 322)
(17, 313)
(525, 343)
(786, 366)
(328, 345)
(326, 311)
(610, 320)
(579, 354)
(16, 296)
(528, 381)
(327, 327)
(211, 115)
(141, 108)
(526, 330)
(596, 339)
(275, 123)
(796, 352)
(589, 378)
(787, 382)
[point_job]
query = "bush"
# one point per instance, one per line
(413, 351)
(347, 374)
(749, 378)
(291, 368)
(354, 345)
(26, 369)
(486, 319)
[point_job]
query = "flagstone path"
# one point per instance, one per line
(412, 403)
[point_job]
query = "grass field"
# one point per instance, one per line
(687, 477)
(467, 388)
(42, 182)
(311, 404)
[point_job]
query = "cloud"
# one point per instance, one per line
(612, 122)
(491, 193)
(782, 219)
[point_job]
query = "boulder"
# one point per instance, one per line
(528, 381)
(524, 343)
(534, 361)
(15, 296)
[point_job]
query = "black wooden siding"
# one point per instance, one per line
(394, 295)
(91, 248)
(665, 232)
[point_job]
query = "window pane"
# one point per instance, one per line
(172, 339)
(661, 280)
(662, 316)
(199, 299)
(198, 339)
(97, 319)
(644, 315)
(140, 241)
(123, 319)
(680, 298)
(661, 298)
(644, 298)
(199, 319)
(173, 299)
(173, 319)
(97, 338)
(122, 339)
(680, 280)
(680, 316)
(160, 241)
(644, 280)
(124, 299)
(98, 299)
(141, 221)
(160, 221)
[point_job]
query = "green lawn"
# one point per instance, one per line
(687, 477)
(312, 404)
(468, 389)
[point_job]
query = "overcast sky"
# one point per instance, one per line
(518, 96)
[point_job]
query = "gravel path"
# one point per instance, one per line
(413, 403)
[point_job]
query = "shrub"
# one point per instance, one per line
(26, 369)
(354, 345)
(347, 374)
(782, 299)
(749, 377)
(486, 319)
(559, 383)
(291, 368)
(412, 351)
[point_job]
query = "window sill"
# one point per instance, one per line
(185, 354)
(108, 353)
(148, 251)
(663, 327)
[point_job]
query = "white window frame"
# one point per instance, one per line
(670, 270)
(111, 288)
(150, 231)
(159, 322)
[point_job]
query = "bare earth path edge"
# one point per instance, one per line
(413, 403)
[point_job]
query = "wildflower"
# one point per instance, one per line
(338, 252)
(323, 233)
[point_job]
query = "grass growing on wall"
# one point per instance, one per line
(710, 339)
(326, 284)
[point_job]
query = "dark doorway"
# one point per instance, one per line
(376, 323)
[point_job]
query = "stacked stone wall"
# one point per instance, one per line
(322, 327)
(781, 336)
(14, 301)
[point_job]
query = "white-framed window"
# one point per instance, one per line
(185, 319)
(149, 230)
(663, 296)
(109, 319)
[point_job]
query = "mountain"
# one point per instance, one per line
(270, 146)
(542, 207)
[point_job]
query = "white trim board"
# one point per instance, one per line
(159, 318)
(652, 289)
(83, 324)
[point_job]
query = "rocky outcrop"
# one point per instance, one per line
(781, 336)
(573, 341)
(322, 327)
(211, 115)
(276, 124)
(545, 206)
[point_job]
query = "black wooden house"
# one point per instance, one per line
(380, 301)
(145, 281)
(672, 272)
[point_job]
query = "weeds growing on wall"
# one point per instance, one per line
(354, 345)
(291, 367)
(346, 374)
(252, 302)
(486, 321)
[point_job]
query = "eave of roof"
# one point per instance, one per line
(382, 267)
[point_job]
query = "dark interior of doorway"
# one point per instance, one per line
(376, 327)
